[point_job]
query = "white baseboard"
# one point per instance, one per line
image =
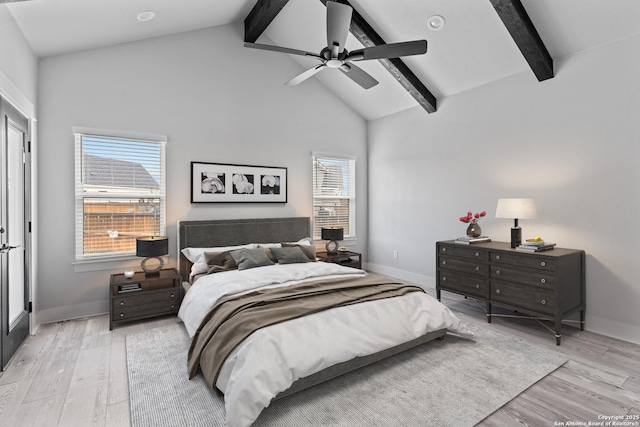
(70, 312)
(425, 282)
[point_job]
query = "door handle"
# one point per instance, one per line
(6, 248)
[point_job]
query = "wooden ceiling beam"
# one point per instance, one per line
(366, 35)
(260, 17)
(517, 21)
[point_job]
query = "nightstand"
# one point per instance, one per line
(143, 297)
(346, 258)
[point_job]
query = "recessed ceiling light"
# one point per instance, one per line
(436, 23)
(145, 16)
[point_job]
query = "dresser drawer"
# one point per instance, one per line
(523, 260)
(536, 278)
(515, 295)
(467, 284)
(458, 250)
(464, 265)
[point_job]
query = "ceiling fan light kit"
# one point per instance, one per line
(335, 56)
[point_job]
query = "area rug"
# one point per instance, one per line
(455, 382)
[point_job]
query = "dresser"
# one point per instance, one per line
(548, 285)
(143, 297)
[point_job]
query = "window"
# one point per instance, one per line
(334, 194)
(120, 192)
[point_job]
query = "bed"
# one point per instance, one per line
(287, 356)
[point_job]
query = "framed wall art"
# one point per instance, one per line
(229, 183)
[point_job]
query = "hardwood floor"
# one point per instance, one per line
(74, 373)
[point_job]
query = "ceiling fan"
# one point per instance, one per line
(336, 56)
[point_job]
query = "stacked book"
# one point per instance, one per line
(538, 246)
(129, 287)
(466, 240)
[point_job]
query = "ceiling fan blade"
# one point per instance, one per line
(391, 50)
(359, 76)
(305, 75)
(338, 22)
(282, 50)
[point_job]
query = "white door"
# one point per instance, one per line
(14, 289)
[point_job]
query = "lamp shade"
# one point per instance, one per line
(152, 246)
(332, 233)
(516, 208)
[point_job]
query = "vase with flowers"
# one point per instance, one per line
(473, 230)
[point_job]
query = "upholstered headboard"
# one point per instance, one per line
(230, 232)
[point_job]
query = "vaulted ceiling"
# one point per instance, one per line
(482, 40)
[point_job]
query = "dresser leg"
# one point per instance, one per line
(558, 336)
(582, 320)
(488, 313)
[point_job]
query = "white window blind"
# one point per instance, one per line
(334, 194)
(120, 193)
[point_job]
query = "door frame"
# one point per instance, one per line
(19, 101)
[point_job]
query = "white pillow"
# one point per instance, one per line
(196, 256)
(268, 245)
(304, 241)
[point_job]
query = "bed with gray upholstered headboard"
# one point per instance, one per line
(231, 232)
(335, 332)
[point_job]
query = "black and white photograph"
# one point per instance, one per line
(270, 184)
(212, 182)
(237, 183)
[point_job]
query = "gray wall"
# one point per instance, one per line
(216, 102)
(571, 143)
(17, 62)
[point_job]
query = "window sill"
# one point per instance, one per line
(115, 263)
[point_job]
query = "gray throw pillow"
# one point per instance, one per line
(251, 258)
(289, 255)
(219, 261)
(309, 250)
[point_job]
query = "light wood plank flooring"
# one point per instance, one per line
(74, 373)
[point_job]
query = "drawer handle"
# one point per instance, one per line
(497, 291)
(444, 249)
(477, 253)
(172, 306)
(173, 296)
(444, 279)
(477, 286)
(121, 314)
(542, 263)
(497, 257)
(444, 262)
(477, 268)
(543, 302)
(543, 281)
(497, 272)
(121, 302)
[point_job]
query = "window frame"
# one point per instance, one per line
(81, 194)
(350, 232)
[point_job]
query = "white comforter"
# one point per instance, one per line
(272, 358)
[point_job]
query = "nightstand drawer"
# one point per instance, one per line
(537, 278)
(145, 310)
(139, 298)
(524, 260)
(467, 284)
(514, 295)
(464, 265)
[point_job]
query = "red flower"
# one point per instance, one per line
(472, 217)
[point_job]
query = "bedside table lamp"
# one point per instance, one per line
(332, 234)
(152, 247)
(516, 209)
